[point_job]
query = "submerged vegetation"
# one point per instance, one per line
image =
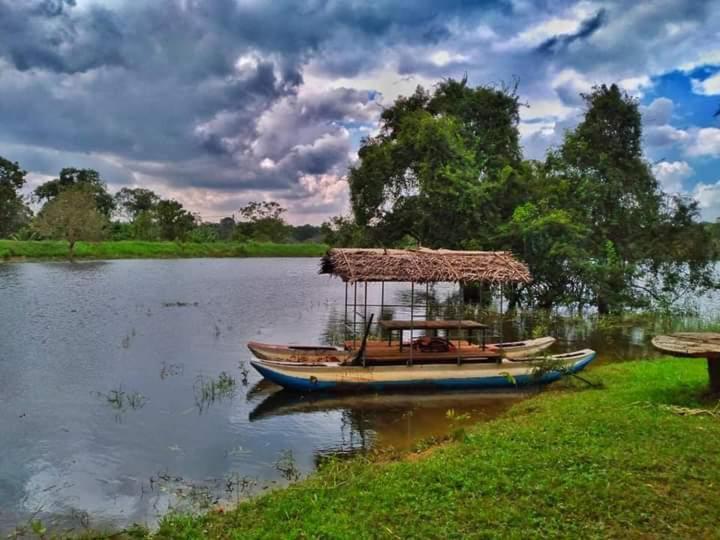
(129, 249)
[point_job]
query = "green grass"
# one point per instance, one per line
(129, 249)
(614, 462)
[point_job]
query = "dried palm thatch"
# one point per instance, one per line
(424, 265)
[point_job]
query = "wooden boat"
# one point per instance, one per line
(299, 353)
(523, 349)
(504, 373)
(378, 350)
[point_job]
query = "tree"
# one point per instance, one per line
(88, 179)
(226, 228)
(443, 158)
(72, 215)
(343, 231)
(263, 221)
(305, 233)
(14, 213)
(174, 222)
(600, 191)
(132, 201)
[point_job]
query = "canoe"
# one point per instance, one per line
(381, 352)
(298, 353)
(523, 349)
(334, 377)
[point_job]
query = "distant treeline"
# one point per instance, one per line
(77, 206)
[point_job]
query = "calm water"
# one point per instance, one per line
(103, 367)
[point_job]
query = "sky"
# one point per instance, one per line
(219, 102)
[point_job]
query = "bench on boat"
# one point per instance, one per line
(433, 326)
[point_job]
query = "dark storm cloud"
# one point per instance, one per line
(160, 81)
(587, 28)
(242, 96)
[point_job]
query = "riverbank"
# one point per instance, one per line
(130, 249)
(636, 458)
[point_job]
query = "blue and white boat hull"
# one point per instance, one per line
(332, 376)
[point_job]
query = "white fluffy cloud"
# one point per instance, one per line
(705, 142)
(671, 174)
(658, 112)
(708, 197)
(707, 87)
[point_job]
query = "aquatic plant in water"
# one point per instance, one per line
(208, 390)
(121, 401)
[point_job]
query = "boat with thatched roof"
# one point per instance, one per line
(430, 344)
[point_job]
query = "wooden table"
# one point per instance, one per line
(694, 345)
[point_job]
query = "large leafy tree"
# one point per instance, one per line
(599, 229)
(131, 202)
(444, 158)
(87, 179)
(72, 216)
(14, 213)
(173, 221)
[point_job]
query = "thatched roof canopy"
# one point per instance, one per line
(424, 265)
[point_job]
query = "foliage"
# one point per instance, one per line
(306, 233)
(14, 213)
(226, 228)
(71, 178)
(576, 464)
(263, 221)
(446, 171)
(438, 159)
(173, 221)
(131, 202)
(342, 231)
(203, 233)
(72, 216)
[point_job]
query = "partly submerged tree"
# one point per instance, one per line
(14, 213)
(73, 216)
(598, 229)
(87, 179)
(591, 220)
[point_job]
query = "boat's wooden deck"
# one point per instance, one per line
(375, 343)
(381, 353)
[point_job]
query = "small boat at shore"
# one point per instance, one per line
(304, 354)
(503, 373)
(309, 354)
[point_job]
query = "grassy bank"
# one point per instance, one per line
(128, 249)
(621, 461)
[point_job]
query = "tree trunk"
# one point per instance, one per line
(714, 373)
(72, 249)
(603, 305)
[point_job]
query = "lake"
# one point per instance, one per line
(105, 372)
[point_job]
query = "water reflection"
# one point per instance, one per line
(387, 420)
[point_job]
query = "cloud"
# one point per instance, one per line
(671, 175)
(658, 112)
(221, 100)
(705, 142)
(585, 29)
(708, 197)
(707, 87)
